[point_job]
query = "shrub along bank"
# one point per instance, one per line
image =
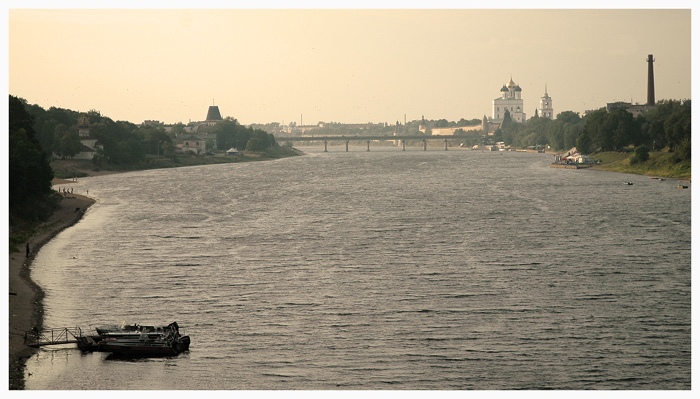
(662, 164)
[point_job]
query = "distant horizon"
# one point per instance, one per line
(317, 122)
(344, 66)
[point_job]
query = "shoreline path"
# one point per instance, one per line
(25, 301)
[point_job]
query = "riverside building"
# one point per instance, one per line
(511, 101)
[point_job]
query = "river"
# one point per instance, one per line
(447, 270)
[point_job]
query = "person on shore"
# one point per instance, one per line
(27, 249)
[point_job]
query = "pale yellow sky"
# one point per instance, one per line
(341, 65)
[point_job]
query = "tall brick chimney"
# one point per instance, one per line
(650, 84)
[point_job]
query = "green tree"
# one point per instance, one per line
(441, 123)
(152, 138)
(584, 144)
(677, 127)
(683, 151)
(569, 117)
(46, 123)
(555, 135)
(593, 131)
(69, 144)
(507, 120)
(641, 154)
(656, 134)
(122, 145)
(497, 135)
(259, 141)
(30, 174)
(178, 130)
(229, 134)
(624, 129)
(571, 133)
(168, 149)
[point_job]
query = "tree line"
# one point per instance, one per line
(37, 134)
(231, 134)
(125, 143)
(666, 126)
(30, 173)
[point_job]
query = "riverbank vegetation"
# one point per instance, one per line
(31, 198)
(666, 126)
(69, 168)
(125, 146)
(659, 163)
(655, 142)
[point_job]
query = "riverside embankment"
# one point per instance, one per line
(661, 164)
(25, 301)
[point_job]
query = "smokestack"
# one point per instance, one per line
(650, 84)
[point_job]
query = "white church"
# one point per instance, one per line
(512, 101)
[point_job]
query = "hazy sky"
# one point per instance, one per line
(349, 66)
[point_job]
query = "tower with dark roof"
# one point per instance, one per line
(213, 114)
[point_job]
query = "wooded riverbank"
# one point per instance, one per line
(662, 164)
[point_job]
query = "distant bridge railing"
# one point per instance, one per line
(364, 138)
(369, 139)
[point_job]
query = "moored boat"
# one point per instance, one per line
(123, 327)
(138, 341)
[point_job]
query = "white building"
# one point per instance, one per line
(90, 145)
(546, 110)
(194, 144)
(511, 101)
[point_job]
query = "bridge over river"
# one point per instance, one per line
(401, 138)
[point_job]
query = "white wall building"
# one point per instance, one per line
(546, 110)
(194, 144)
(510, 100)
(90, 145)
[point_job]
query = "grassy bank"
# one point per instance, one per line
(65, 169)
(661, 164)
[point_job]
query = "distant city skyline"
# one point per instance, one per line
(347, 66)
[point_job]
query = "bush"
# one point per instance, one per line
(641, 154)
(682, 151)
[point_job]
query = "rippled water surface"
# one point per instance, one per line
(378, 270)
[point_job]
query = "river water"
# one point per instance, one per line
(459, 270)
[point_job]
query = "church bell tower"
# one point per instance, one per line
(546, 110)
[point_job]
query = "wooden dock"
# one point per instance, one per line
(569, 165)
(563, 165)
(53, 336)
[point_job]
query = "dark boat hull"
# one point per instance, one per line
(144, 350)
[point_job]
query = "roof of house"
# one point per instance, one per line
(213, 114)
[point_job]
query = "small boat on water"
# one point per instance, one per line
(682, 186)
(123, 327)
(628, 183)
(137, 341)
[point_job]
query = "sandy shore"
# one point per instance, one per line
(25, 303)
